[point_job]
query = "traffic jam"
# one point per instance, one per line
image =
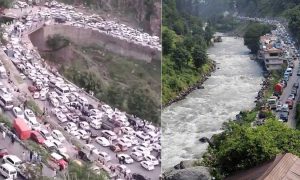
(285, 92)
(122, 145)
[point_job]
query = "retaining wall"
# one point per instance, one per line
(88, 37)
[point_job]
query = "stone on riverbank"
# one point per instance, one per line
(191, 173)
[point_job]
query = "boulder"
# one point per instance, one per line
(192, 173)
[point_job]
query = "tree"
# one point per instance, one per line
(252, 35)
(141, 105)
(5, 3)
(199, 56)
(167, 40)
(240, 146)
(179, 56)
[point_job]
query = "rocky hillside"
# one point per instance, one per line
(146, 14)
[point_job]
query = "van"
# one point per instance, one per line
(62, 89)
(137, 156)
(8, 171)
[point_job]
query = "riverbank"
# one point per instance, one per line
(198, 85)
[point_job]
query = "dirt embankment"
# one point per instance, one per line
(87, 37)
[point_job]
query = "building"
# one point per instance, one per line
(271, 52)
(282, 167)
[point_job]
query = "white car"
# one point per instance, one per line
(61, 117)
(95, 111)
(46, 134)
(72, 117)
(71, 126)
(83, 134)
(56, 134)
(132, 139)
(104, 156)
(127, 158)
(141, 149)
(12, 160)
(63, 109)
(18, 112)
(59, 146)
(127, 130)
(147, 165)
(43, 96)
(102, 141)
(95, 124)
(84, 125)
(54, 101)
(29, 115)
(109, 135)
(125, 141)
(156, 146)
(151, 159)
(75, 133)
(36, 95)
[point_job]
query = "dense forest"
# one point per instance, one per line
(184, 41)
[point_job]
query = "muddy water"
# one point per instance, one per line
(230, 89)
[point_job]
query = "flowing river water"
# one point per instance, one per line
(231, 88)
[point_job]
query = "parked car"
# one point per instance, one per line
(127, 158)
(56, 134)
(12, 160)
(102, 141)
(18, 112)
(46, 135)
(104, 156)
(147, 165)
(290, 103)
(109, 135)
(3, 152)
(37, 137)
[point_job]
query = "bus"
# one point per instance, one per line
(62, 89)
(6, 102)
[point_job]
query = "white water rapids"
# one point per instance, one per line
(231, 88)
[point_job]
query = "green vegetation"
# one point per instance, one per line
(31, 104)
(5, 3)
(130, 85)
(77, 171)
(252, 35)
(241, 146)
(184, 48)
(57, 42)
(297, 117)
(293, 16)
(4, 119)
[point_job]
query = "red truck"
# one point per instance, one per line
(22, 129)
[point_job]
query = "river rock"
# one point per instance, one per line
(192, 173)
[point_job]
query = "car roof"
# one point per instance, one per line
(9, 167)
(14, 158)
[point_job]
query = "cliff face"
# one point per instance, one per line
(146, 13)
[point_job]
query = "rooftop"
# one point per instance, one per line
(282, 167)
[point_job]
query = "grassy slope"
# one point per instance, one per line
(113, 71)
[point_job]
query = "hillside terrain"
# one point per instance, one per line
(129, 84)
(184, 48)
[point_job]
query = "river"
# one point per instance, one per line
(231, 88)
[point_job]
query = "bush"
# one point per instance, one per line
(4, 119)
(31, 104)
(57, 42)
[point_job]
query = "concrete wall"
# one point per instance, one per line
(88, 37)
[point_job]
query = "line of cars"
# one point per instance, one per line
(62, 13)
(110, 128)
